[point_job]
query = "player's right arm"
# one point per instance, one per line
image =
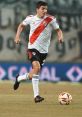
(21, 27)
(19, 30)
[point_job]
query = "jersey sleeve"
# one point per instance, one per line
(55, 24)
(27, 20)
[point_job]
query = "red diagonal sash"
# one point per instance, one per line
(39, 29)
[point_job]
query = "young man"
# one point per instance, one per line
(41, 26)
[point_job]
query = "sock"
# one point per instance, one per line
(35, 83)
(23, 77)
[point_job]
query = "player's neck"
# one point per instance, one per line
(40, 16)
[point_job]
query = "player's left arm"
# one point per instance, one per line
(57, 29)
(59, 35)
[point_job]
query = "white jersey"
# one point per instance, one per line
(43, 40)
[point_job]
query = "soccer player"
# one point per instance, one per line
(41, 26)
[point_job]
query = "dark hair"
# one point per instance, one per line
(41, 3)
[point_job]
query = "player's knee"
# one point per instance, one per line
(36, 66)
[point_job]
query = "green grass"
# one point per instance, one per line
(20, 103)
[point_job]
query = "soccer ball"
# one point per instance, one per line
(64, 98)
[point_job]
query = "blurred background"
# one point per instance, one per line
(64, 61)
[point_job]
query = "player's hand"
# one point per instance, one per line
(17, 40)
(60, 36)
(60, 40)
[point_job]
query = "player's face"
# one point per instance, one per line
(42, 11)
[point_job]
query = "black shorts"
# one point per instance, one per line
(35, 55)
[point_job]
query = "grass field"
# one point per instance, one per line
(20, 103)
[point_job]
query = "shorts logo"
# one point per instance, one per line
(33, 53)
